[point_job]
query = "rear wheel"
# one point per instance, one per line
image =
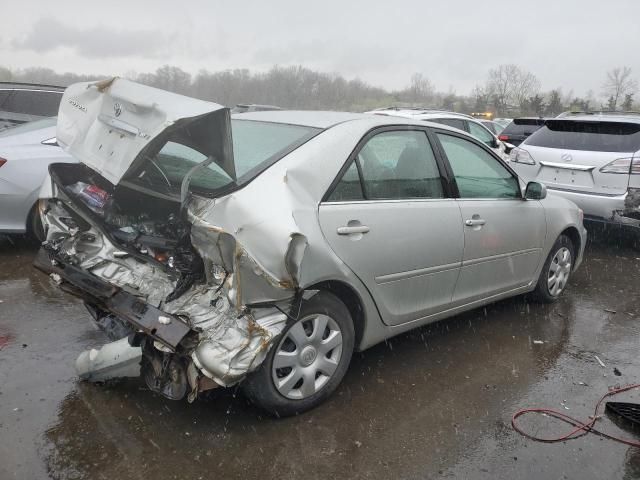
(34, 224)
(556, 271)
(307, 362)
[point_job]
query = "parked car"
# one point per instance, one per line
(26, 102)
(252, 107)
(25, 154)
(463, 122)
(267, 257)
(494, 127)
(519, 129)
(593, 161)
(503, 121)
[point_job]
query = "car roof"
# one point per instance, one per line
(259, 105)
(307, 118)
(415, 112)
(600, 117)
(327, 119)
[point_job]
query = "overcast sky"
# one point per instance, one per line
(566, 43)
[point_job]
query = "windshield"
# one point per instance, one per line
(256, 145)
(30, 126)
(588, 135)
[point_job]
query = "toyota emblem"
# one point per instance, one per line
(566, 157)
(117, 109)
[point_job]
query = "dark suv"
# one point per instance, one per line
(25, 102)
(519, 129)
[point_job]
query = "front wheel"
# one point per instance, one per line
(556, 271)
(307, 362)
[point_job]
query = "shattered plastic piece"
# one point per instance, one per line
(600, 361)
(93, 196)
(113, 360)
(538, 342)
(56, 278)
(608, 310)
(617, 372)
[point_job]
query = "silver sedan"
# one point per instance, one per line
(264, 248)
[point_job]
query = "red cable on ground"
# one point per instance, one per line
(581, 428)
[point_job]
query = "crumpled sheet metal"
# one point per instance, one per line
(232, 343)
(263, 261)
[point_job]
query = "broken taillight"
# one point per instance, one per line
(623, 165)
(2, 161)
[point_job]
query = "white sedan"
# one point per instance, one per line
(25, 154)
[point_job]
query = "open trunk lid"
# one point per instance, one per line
(585, 155)
(112, 125)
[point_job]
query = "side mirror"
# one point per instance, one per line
(493, 143)
(535, 191)
(508, 147)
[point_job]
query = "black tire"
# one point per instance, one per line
(542, 293)
(259, 386)
(35, 229)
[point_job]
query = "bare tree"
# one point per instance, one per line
(421, 89)
(618, 84)
(511, 86)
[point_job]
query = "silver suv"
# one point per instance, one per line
(591, 159)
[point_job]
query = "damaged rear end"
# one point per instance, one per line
(140, 232)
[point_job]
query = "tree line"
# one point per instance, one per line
(507, 90)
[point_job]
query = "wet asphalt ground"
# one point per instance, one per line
(434, 403)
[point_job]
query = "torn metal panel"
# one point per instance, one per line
(230, 340)
(109, 125)
(234, 345)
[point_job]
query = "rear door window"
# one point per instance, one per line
(591, 136)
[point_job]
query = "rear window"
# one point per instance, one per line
(256, 146)
(30, 102)
(520, 129)
(588, 136)
(452, 122)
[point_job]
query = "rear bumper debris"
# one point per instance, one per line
(161, 326)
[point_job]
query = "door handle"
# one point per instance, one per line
(472, 222)
(351, 230)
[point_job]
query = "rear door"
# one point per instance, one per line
(583, 155)
(392, 221)
(503, 233)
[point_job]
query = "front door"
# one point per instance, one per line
(391, 221)
(503, 233)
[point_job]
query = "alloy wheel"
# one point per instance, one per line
(559, 271)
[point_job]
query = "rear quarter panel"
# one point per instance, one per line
(562, 214)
